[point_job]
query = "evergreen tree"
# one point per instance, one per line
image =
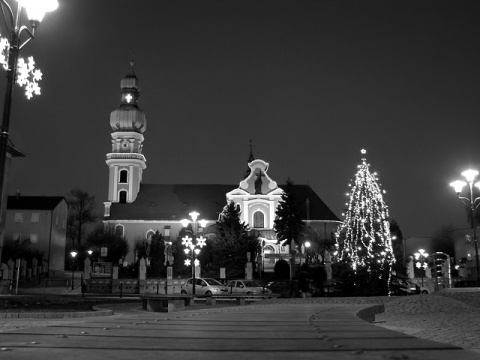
(233, 242)
(179, 256)
(363, 239)
(157, 255)
(105, 236)
(398, 248)
(288, 223)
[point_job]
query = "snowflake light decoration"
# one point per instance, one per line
(27, 76)
(201, 241)
(187, 241)
(4, 51)
(188, 262)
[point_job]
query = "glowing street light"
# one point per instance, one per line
(472, 203)
(421, 257)
(18, 70)
(193, 244)
(73, 253)
(307, 247)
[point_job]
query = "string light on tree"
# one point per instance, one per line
(363, 239)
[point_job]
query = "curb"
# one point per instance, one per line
(57, 315)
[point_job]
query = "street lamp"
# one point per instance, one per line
(307, 247)
(194, 244)
(421, 256)
(24, 73)
(73, 253)
(472, 204)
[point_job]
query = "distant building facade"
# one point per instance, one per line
(465, 252)
(42, 220)
(138, 210)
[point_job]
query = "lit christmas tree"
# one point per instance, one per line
(363, 239)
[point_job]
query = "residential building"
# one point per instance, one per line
(42, 220)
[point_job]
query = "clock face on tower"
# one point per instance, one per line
(128, 98)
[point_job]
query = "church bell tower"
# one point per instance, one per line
(126, 161)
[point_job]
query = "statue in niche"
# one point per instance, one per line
(258, 181)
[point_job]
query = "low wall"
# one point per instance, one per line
(132, 286)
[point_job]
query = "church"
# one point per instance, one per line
(137, 210)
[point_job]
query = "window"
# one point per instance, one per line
(258, 219)
(33, 238)
(35, 217)
(123, 176)
(18, 217)
(150, 233)
(17, 237)
(166, 229)
(119, 230)
(123, 197)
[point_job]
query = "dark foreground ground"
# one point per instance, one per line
(448, 317)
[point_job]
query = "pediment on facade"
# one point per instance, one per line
(237, 192)
(258, 182)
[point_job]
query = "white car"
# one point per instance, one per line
(247, 287)
(203, 286)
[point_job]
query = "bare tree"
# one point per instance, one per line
(81, 213)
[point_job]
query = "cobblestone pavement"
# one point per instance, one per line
(452, 318)
(446, 317)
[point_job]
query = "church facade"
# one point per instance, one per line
(137, 210)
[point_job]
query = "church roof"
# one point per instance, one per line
(176, 201)
(33, 202)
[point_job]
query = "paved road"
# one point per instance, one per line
(451, 319)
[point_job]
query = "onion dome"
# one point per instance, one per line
(128, 116)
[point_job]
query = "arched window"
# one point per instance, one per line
(268, 249)
(119, 230)
(258, 219)
(124, 176)
(150, 233)
(122, 197)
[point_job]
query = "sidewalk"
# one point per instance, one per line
(258, 331)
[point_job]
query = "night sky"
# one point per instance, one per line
(311, 83)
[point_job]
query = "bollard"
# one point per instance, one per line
(121, 289)
(82, 284)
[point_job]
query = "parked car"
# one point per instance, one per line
(465, 283)
(204, 286)
(247, 287)
(284, 288)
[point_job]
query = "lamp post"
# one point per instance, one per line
(168, 251)
(472, 203)
(73, 253)
(36, 10)
(307, 247)
(421, 256)
(193, 244)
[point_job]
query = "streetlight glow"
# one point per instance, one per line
(458, 185)
(472, 203)
(470, 175)
(36, 9)
(194, 215)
